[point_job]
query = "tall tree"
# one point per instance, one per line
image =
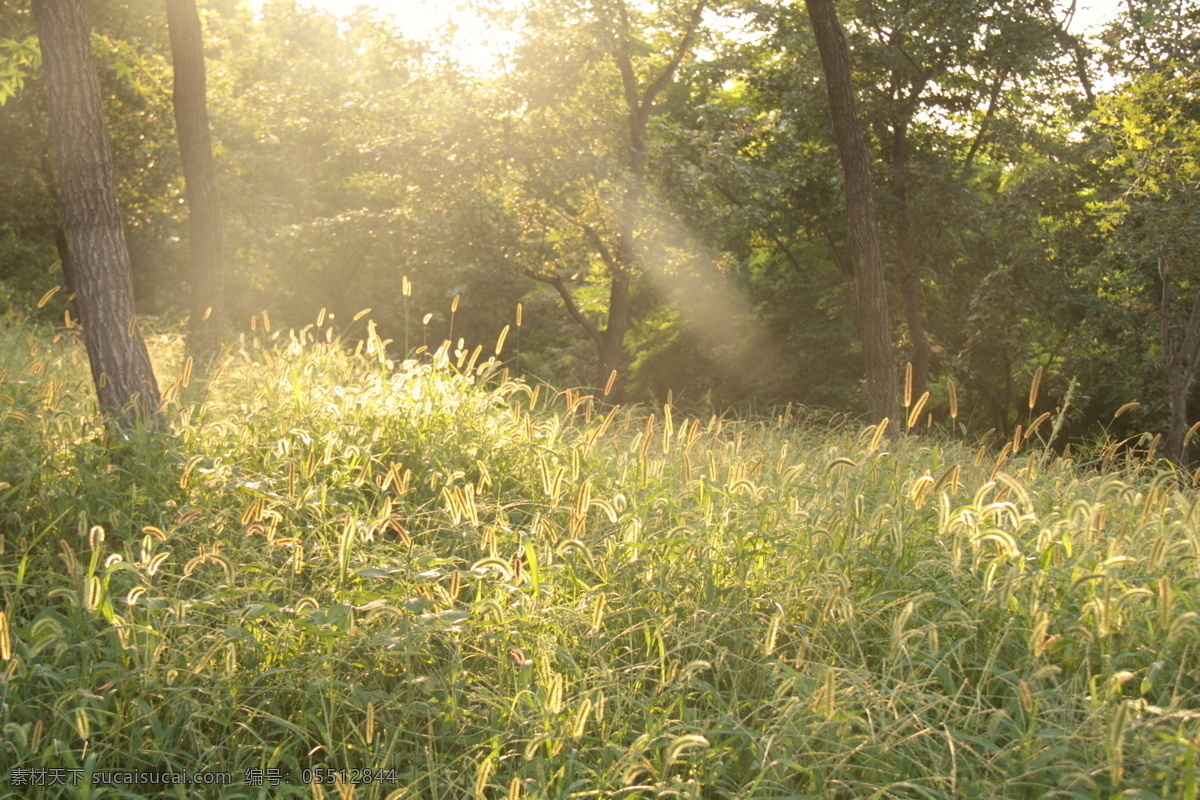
(599, 98)
(640, 95)
(120, 363)
(207, 239)
(985, 67)
(874, 328)
(1153, 214)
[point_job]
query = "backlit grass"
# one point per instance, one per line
(333, 561)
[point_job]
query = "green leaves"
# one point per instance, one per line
(18, 58)
(1153, 123)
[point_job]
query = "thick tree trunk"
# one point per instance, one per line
(119, 361)
(873, 322)
(206, 237)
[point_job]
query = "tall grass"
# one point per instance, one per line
(331, 560)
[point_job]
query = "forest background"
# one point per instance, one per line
(354, 551)
(1036, 186)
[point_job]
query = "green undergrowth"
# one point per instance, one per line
(328, 561)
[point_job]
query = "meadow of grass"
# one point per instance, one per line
(443, 583)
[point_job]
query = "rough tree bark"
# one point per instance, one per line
(120, 363)
(873, 322)
(206, 237)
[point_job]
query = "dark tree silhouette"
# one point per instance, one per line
(207, 240)
(874, 328)
(100, 268)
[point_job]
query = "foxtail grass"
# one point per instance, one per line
(334, 559)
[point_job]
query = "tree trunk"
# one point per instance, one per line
(639, 98)
(908, 268)
(612, 355)
(613, 358)
(99, 262)
(910, 293)
(1177, 392)
(206, 237)
(1180, 361)
(68, 265)
(873, 323)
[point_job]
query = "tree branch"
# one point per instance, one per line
(846, 269)
(636, 101)
(563, 209)
(559, 285)
(1191, 342)
(993, 98)
(681, 51)
(1170, 351)
(589, 231)
(1075, 45)
(569, 301)
(733, 198)
(619, 42)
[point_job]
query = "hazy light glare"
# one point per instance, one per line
(1091, 15)
(461, 28)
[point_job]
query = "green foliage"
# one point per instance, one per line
(350, 159)
(334, 560)
(1146, 208)
(135, 81)
(354, 162)
(17, 59)
(1153, 125)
